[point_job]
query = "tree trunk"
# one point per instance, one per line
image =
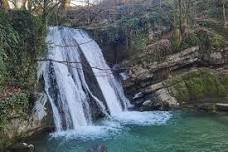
(30, 5)
(45, 12)
(180, 15)
(224, 14)
(1, 5)
(4, 4)
(65, 4)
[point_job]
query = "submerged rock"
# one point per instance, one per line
(98, 148)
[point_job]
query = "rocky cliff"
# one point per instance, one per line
(163, 78)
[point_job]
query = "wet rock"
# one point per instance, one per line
(147, 103)
(21, 147)
(161, 100)
(208, 107)
(138, 95)
(99, 148)
(139, 102)
(221, 107)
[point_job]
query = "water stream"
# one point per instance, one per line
(80, 85)
(172, 132)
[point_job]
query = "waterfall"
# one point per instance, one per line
(76, 78)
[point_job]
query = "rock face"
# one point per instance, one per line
(143, 72)
(155, 97)
(23, 124)
(34, 123)
(149, 86)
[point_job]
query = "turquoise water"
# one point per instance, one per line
(152, 132)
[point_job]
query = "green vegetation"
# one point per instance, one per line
(22, 41)
(123, 30)
(198, 85)
(217, 41)
(139, 42)
(17, 104)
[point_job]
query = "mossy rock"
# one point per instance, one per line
(14, 107)
(197, 85)
(224, 81)
(180, 91)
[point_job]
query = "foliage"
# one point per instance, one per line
(190, 39)
(201, 37)
(139, 41)
(8, 41)
(217, 41)
(22, 41)
(16, 106)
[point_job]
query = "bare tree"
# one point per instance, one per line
(65, 4)
(224, 14)
(4, 4)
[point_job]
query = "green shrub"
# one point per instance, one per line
(139, 41)
(217, 41)
(191, 39)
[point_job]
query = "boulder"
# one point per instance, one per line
(214, 58)
(156, 97)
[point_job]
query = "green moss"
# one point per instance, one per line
(224, 81)
(198, 85)
(180, 91)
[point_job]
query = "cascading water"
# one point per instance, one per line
(66, 85)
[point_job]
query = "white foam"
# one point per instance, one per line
(116, 125)
(143, 118)
(89, 132)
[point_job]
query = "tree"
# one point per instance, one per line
(4, 4)
(184, 16)
(224, 13)
(65, 4)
